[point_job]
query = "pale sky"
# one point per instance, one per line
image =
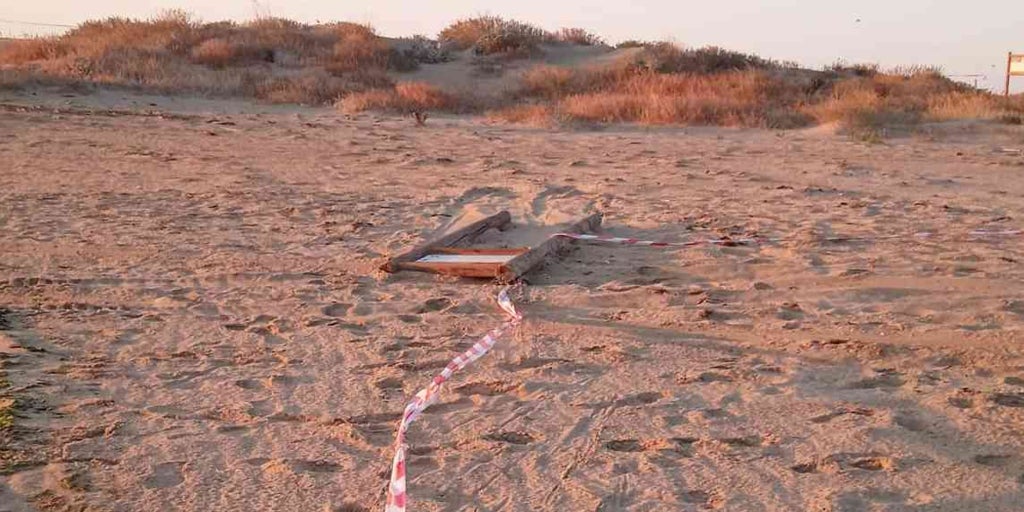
(962, 37)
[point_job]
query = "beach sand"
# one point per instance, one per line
(195, 319)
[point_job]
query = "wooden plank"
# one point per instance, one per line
(525, 262)
(488, 270)
(463, 235)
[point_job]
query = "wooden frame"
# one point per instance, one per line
(430, 256)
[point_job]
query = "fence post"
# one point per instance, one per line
(1009, 64)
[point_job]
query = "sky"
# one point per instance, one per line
(963, 38)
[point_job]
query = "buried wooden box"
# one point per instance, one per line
(450, 255)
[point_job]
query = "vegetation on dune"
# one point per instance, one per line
(664, 84)
(350, 65)
(488, 35)
(271, 59)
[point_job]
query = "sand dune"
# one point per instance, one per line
(194, 319)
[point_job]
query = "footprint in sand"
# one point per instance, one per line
(640, 399)
(436, 304)
(163, 476)
(676, 445)
(1015, 400)
(336, 310)
(834, 463)
(743, 442)
(518, 438)
(351, 507)
(910, 421)
(389, 383)
(707, 500)
(884, 381)
(492, 388)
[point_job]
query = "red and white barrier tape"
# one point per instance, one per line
(756, 240)
(652, 243)
(397, 497)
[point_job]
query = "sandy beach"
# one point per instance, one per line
(193, 316)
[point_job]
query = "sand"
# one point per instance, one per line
(195, 320)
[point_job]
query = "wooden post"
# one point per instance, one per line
(1009, 66)
(525, 262)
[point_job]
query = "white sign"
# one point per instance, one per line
(466, 258)
(1017, 65)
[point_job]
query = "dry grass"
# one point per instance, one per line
(533, 115)
(871, 100)
(405, 97)
(728, 99)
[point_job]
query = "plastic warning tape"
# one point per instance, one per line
(757, 240)
(652, 243)
(397, 497)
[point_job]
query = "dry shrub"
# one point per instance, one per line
(945, 107)
(287, 36)
(859, 69)
(534, 115)
(577, 36)
(423, 96)
(547, 82)
(488, 35)
(309, 89)
(405, 97)
(174, 53)
(664, 57)
(631, 43)
(358, 48)
(23, 51)
(870, 102)
(214, 52)
(375, 99)
(420, 49)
